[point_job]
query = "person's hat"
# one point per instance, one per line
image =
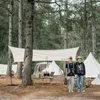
(70, 57)
(79, 57)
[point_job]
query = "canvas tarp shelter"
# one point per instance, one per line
(92, 66)
(45, 55)
(53, 67)
(96, 81)
(3, 69)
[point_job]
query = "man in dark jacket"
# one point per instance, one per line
(70, 74)
(80, 73)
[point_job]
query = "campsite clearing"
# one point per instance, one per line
(44, 92)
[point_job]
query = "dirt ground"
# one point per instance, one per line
(38, 91)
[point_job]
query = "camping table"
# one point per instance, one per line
(46, 78)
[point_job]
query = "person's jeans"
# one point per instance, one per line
(80, 83)
(70, 83)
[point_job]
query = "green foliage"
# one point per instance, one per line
(20, 85)
(48, 24)
(60, 64)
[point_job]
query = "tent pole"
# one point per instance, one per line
(11, 75)
(11, 79)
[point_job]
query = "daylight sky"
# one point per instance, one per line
(71, 2)
(76, 1)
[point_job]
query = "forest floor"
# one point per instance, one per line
(44, 91)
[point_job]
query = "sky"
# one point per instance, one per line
(76, 1)
(72, 1)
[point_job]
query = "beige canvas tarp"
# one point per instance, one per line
(45, 55)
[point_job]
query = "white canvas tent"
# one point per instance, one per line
(53, 67)
(14, 68)
(92, 66)
(96, 81)
(39, 67)
(45, 55)
(3, 69)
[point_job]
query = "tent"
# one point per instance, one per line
(3, 69)
(92, 66)
(53, 67)
(39, 67)
(45, 55)
(96, 81)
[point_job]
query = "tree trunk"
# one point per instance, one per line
(10, 37)
(93, 40)
(85, 47)
(27, 69)
(66, 25)
(20, 32)
(93, 29)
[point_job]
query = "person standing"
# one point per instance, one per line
(80, 73)
(70, 74)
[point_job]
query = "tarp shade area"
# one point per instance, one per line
(92, 66)
(45, 55)
(3, 69)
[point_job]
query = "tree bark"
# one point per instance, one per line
(85, 47)
(93, 30)
(93, 40)
(20, 32)
(9, 69)
(66, 25)
(27, 69)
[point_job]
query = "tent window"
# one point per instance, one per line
(42, 67)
